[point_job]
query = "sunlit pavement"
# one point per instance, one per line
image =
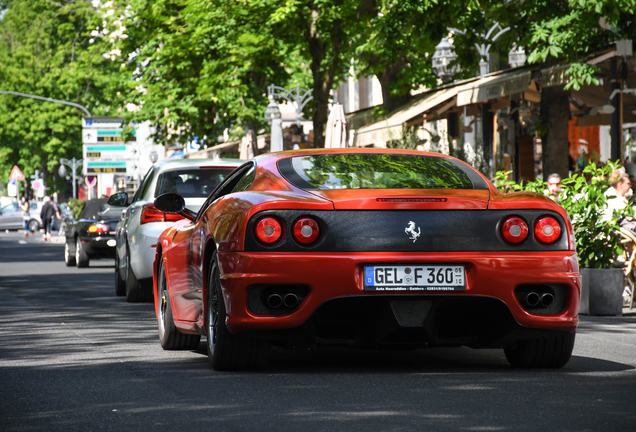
(73, 356)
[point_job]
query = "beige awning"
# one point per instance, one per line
(503, 85)
(391, 127)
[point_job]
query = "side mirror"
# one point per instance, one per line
(173, 203)
(170, 203)
(119, 199)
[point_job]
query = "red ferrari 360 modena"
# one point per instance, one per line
(368, 248)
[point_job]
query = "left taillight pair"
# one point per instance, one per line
(150, 214)
(269, 230)
(515, 230)
(98, 229)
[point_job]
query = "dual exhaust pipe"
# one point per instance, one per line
(535, 299)
(289, 300)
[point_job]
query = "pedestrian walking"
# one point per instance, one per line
(26, 215)
(47, 214)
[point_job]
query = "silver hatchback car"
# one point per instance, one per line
(141, 223)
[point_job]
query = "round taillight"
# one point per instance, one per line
(306, 230)
(547, 230)
(514, 230)
(268, 230)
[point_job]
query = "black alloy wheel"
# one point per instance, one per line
(169, 336)
(225, 350)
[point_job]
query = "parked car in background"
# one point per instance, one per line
(92, 234)
(368, 248)
(141, 223)
(11, 216)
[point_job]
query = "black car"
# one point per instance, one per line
(92, 235)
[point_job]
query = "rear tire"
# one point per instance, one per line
(553, 352)
(33, 225)
(225, 350)
(69, 258)
(120, 283)
(81, 258)
(136, 291)
(169, 336)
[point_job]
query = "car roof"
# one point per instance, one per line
(170, 164)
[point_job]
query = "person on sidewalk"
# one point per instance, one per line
(26, 215)
(47, 214)
(554, 186)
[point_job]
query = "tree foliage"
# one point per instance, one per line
(196, 67)
(46, 50)
(398, 40)
(567, 31)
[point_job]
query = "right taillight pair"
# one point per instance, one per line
(150, 214)
(269, 230)
(514, 230)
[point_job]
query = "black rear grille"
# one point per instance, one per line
(388, 231)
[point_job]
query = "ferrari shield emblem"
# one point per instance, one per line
(410, 231)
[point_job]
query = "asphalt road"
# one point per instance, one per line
(74, 357)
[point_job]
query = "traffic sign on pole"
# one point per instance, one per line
(16, 174)
(111, 152)
(128, 168)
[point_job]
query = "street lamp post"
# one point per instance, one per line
(300, 97)
(73, 165)
(272, 115)
(517, 56)
(443, 56)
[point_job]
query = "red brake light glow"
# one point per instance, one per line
(98, 229)
(547, 230)
(306, 230)
(514, 230)
(410, 200)
(268, 230)
(150, 214)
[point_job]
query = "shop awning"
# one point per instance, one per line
(490, 86)
(503, 85)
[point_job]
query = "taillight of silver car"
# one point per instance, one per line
(150, 214)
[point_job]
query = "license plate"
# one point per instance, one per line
(414, 278)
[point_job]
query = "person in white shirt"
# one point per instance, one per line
(618, 197)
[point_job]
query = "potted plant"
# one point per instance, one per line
(597, 246)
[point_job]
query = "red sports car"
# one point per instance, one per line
(368, 248)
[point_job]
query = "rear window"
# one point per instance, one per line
(378, 171)
(191, 183)
(92, 207)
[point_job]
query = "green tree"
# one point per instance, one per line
(565, 32)
(398, 39)
(46, 50)
(197, 67)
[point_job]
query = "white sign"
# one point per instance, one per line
(105, 136)
(12, 188)
(95, 167)
(110, 152)
(103, 123)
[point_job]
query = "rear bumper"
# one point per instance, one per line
(143, 244)
(328, 276)
(99, 247)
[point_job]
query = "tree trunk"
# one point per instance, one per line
(555, 117)
(391, 102)
(323, 77)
